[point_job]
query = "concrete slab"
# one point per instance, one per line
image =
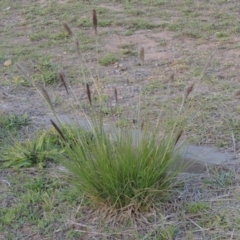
(197, 158)
(201, 157)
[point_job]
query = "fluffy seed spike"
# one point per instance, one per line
(141, 55)
(68, 29)
(116, 95)
(63, 80)
(189, 90)
(89, 94)
(47, 98)
(178, 136)
(57, 129)
(78, 47)
(172, 77)
(95, 21)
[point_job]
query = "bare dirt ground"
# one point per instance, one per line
(175, 42)
(178, 37)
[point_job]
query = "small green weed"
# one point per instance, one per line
(175, 27)
(221, 35)
(140, 23)
(129, 32)
(37, 36)
(108, 59)
(37, 151)
(10, 126)
(105, 23)
(128, 49)
(42, 148)
(198, 207)
(84, 22)
(45, 71)
(58, 36)
(221, 178)
(13, 121)
(153, 86)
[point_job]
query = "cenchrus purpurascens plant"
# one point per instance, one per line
(119, 167)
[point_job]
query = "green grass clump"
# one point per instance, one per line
(37, 36)
(41, 149)
(108, 59)
(197, 207)
(84, 22)
(45, 71)
(110, 170)
(221, 35)
(31, 152)
(139, 23)
(118, 168)
(13, 121)
(10, 125)
(105, 23)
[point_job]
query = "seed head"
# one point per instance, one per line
(63, 80)
(89, 94)
(116, 95)
(57, 129)
(47, 98)
(178, 136)
(95, 21)
(68, 29)
(189, 90)
(141, 55)
(78, 47)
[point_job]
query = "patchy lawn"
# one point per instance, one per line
(178, 37)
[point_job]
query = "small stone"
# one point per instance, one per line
(120, 65)
(123, 68)
(116, 71)
(7, 63)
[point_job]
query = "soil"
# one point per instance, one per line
(166, 53)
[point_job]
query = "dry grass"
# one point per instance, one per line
(205, 208)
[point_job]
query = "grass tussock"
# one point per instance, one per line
(114, 172)
(118, 168)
